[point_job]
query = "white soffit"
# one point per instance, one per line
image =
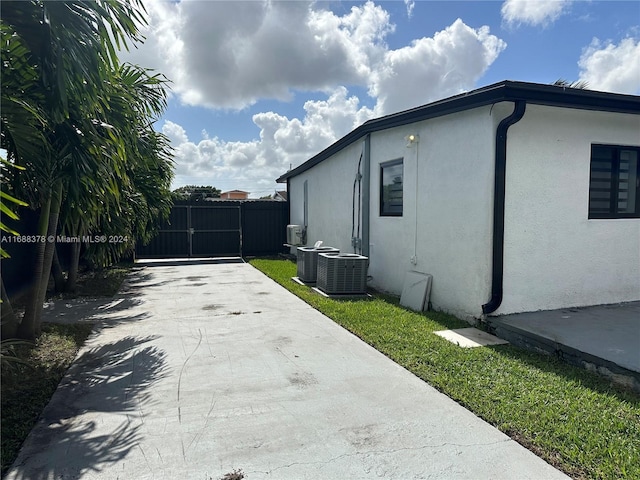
(470, 337)
(416, 291)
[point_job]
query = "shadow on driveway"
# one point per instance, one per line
(113, 378)
(179, 262)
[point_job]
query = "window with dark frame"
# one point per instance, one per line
(391, 181)
(614, 182)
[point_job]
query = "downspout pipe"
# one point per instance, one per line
(497, 271)
(366, 194)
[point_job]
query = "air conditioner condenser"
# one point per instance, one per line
(345, 273)
(296, 235)
(307, 262)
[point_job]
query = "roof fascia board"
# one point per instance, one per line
(551, 95)
(507, 91)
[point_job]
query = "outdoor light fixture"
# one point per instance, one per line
(412, 138)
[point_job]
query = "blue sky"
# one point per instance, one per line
(258, 86)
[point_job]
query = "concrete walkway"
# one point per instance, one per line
(202, 368)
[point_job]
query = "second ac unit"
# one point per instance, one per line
(345, 273)
(295, 235)
(307, 261)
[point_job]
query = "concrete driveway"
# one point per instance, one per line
(198, 369)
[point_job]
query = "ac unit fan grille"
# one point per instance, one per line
(342, 274)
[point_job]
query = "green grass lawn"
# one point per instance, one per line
(26, 389)
(572, 418)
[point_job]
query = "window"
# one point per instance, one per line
(391, 188)
(614, 183)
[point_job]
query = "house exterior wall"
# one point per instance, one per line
(446, 226)
(329, 187)
(556, 257)
(445, 229)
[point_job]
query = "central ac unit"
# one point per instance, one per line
(295, 235)
(345, 273)
(308, 261)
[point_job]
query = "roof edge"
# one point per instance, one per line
(505, 91)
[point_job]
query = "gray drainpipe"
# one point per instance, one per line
(497, 272)
(366, 193)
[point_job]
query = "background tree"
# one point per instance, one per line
(196, 192)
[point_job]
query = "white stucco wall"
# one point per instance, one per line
(555, 256)
(445, 227)
(330, 187)
(453, 205)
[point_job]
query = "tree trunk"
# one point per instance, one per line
(30, 326)
(56, 201)
(9, 320)
(56, 270)
(70, 286)
(27, 328)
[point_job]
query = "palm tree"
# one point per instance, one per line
(8, 321)
(21, 120)
(67, 54)
(579, 84)
(136, 99)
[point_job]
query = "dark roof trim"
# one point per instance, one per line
(506, 91)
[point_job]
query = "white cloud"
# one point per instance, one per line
(176, 134)
(431, 68)
(253, 165)
(610, 67)
(533, 12)
(228, 55)
(410, 4)
(231, 54)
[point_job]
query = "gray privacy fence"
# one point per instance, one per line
(221, 228)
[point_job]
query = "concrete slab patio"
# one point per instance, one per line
(603, 338)
(202, 368)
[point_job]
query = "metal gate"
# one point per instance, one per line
(220, 229)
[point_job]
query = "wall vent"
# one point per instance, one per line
(345, 273)
(295, 235)
(308, 261)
